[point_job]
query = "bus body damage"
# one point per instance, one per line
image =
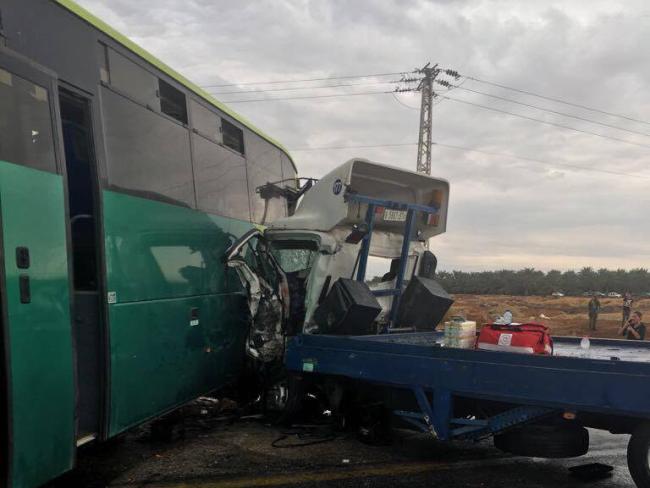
(360, 214)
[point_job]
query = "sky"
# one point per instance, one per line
(541, 210)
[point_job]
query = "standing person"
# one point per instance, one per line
(594, 310)
(634, 329)
(627, 307)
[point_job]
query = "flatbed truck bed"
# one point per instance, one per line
(607, 386)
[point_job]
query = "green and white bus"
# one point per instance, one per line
(121, 186)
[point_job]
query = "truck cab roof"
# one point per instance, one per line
(340, 199)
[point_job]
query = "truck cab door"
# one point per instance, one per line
(266, 288)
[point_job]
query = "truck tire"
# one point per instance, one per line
(562, 440)
(283, 399)
(638, 456)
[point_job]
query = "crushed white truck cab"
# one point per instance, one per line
(358, 210)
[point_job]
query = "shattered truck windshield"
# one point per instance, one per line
(294, 256)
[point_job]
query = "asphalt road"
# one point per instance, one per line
(213, 452)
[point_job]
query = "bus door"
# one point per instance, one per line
(76, 126)
(37, 402)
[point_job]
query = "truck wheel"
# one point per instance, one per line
(283, 399)
(638, 456)
(545, 441)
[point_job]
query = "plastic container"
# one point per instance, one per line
(460, 335)
(585, 344)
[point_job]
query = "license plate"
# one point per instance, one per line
(394, 215)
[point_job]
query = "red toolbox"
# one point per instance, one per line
(528, 338)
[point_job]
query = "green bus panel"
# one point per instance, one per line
(41, 382)
(176, 318)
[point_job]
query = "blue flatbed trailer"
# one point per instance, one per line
(606, 387)
(470, 394)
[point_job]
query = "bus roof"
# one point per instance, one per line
(147, 56)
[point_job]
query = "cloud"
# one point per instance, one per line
(505, 212)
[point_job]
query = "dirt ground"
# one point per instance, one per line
(564, 315)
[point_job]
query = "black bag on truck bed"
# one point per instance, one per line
(349, 308)
(423, 305)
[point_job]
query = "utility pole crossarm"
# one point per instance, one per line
(428, 75)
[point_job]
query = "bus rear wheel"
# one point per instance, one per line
(638, 456)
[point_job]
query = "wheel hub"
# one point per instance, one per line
(277, 396)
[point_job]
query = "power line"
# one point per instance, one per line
(443, 97)
(345, 77)
(307, 97)
(473, 78)
(402, 103)
(243, 92)
(363, 146)
(481, 151)
(558, 100)
(563, 114)
(547, 163)
(554, 124)
(451, 87)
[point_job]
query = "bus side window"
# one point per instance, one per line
(26, 135)
(233, 136)
(220, 178)
(172, 102)
(147, 152)
(264, 165)
(131, 79)
(205, 122)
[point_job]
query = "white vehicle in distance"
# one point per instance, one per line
(613, 294)
(557, 294)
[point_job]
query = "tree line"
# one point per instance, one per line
(530, 281)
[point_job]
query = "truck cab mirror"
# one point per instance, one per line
(359, 231)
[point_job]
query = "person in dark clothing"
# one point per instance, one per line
(627, 307)
(634, 329)
(594, 310)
